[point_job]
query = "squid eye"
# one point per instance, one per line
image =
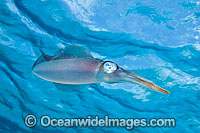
(109, 67)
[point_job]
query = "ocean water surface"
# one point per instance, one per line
(160, 40)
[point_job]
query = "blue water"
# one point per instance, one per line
(159, 40)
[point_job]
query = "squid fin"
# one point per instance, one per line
(73, 51)
(46, 57)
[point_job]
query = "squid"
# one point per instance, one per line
(75, 65)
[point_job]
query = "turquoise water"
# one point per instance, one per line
(159, 40)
